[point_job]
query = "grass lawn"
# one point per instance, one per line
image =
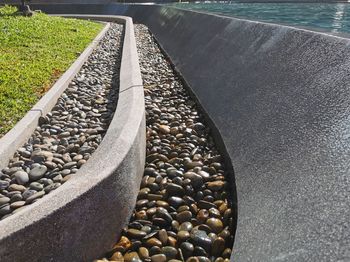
(34, 52)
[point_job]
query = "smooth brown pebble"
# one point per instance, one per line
(215, 224)
(154, 242)
(129, 256)
(202, 215)
(163, 236)
(216, 185)
(227, 253)
(117, 256)
(183, 235)
(184, 216)
(158, 258)
(172, 241)
(218, 246)
(143, 253)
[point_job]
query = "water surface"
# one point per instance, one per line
(331, 17)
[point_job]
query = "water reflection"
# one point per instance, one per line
(338, 17)
(331, 16)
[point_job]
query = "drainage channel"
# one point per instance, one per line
(183, 210)
(68, 135)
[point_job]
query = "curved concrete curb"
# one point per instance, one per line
(20, 133)
(82, 219)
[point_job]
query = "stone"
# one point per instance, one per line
(5, 209)
(158, 258)
(117, 256)
(169, 252)
(215, 224)
(4, 200)
(164, 129)
(199, 251)
(186, 226)
(35, 196)
(163, 213)
(36, 186)
(17, 204)
(196, 180)
(135, 234)
(183, 235)
(175, 201)
(163, 236)
(205, 204)
(184, 216)
(16, 187)
(187, 249)
(226, 253)
(203, 215)
(216, 185)
(21, 177)
(213, 212)
(200, 238)
(175, 190)
(143, 253)
(218, 246)
(37, 172)
(153, 242)
(4, 184)
(128, 257)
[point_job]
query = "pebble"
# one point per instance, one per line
(183, 236)
(163, 236)
(35, 196)
(184, 216)
(128, 257)
(5, 209)
(21, 177)
(159, 258)
(200, 238)
(169, 252)
(17, 204)
(4, 200)
(215, 224)
(216, 185)
(134, 233)
(175, 190)
(153, 242)
(143, 253)
(187, 249)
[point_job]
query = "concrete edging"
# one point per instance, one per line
(20, 133)
(81, 220)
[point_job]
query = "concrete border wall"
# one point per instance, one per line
(82, 219)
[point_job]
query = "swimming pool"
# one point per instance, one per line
(332, 17)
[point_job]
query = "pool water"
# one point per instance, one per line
(332, 17)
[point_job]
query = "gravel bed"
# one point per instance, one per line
(182, 212)
(67, 136)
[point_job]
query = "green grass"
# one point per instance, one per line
(34, 52)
